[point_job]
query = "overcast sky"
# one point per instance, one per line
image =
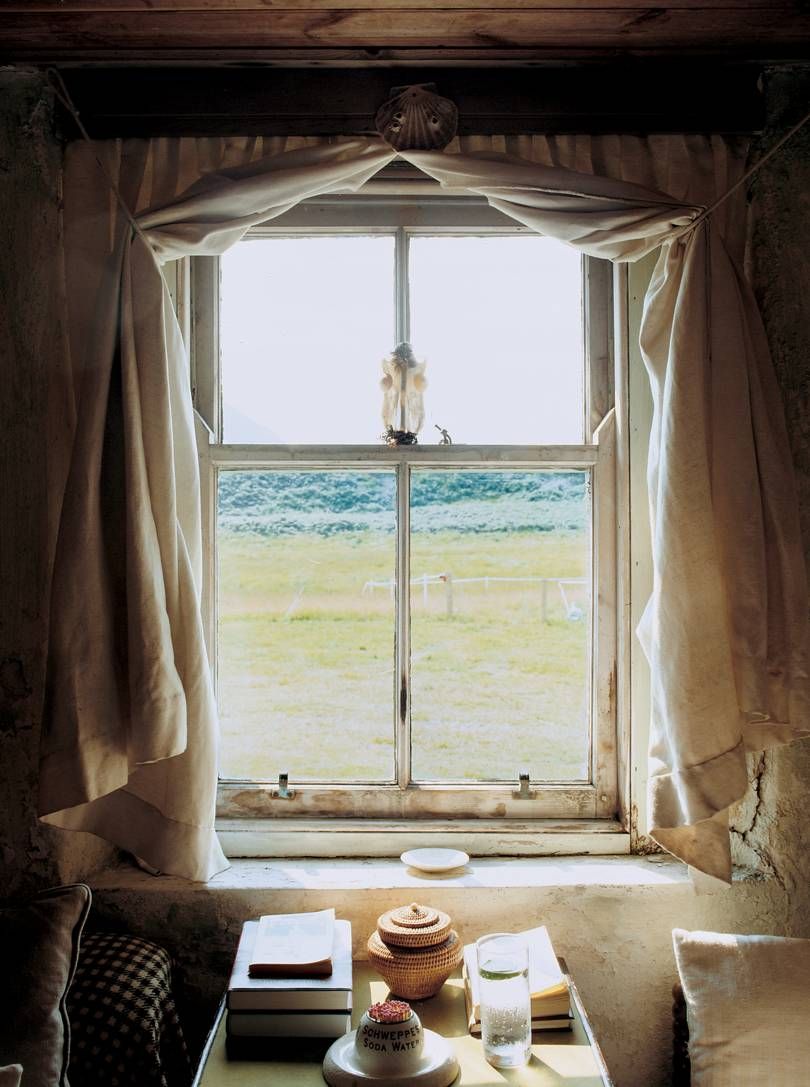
(306, 321)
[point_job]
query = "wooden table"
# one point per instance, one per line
(560, 1058)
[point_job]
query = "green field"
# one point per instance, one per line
(306, 679)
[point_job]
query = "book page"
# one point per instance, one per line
(546, 979)
(294, 939)
(545, 976)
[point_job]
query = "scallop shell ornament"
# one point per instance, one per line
(415, 118)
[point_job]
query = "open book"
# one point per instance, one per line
(292, 994)
(293, 945)
(551, 1003)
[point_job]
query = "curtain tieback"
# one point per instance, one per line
(741, 181)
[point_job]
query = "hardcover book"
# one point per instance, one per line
(288, 1024)
(292, 994)
(550, 1000)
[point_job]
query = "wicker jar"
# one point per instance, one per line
(415, 950)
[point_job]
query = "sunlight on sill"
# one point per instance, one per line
(361, 875)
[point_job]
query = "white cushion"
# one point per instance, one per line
(748, 1008)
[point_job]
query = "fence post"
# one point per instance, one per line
(448, 589)
(544, 601)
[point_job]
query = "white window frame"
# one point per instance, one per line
(489, 817)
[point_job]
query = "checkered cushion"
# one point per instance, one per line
(123, 1020)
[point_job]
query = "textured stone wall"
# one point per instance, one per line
(611, 919)
(617, 940)
(29, 349)
(34, 440)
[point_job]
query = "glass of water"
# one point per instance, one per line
(506, 1025)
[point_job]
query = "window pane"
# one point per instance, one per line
(306, 624)
(304, 323)
(500, 627)
(499, 321)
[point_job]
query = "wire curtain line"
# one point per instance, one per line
(61, 92)
(129, 738)
(749, 173)
(64, 97)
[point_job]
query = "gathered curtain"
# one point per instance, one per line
(129, 736)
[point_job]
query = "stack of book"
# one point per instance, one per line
(292, 978)
(551, 1001)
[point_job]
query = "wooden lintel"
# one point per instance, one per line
(629, 97)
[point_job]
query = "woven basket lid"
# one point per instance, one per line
(413, 926)
(447, 951)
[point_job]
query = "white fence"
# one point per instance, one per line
(572, 610)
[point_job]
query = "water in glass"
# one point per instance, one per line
(505, 1005)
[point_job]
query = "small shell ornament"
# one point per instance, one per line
(415, 118)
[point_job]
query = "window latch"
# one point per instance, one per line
(283, 792)
(523, 792)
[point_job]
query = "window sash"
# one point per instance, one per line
(597, 799)
(561, 799)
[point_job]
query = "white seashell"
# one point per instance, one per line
(417, 119)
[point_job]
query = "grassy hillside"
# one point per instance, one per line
(290, 502)
(306, 643)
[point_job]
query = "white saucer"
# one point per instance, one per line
(438, 1066)
(434, 860)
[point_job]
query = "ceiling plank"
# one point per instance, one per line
(116, 102)
(244, 34)
(268, 7)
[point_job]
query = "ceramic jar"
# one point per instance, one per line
(389, 1040)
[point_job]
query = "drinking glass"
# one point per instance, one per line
(503, 972)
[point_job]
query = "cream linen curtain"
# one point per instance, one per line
(129, 748)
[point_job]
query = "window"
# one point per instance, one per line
(405, 630)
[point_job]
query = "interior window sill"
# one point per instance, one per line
(307, 879)
(348, 838)
(490, 894)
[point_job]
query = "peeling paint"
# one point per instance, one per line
(641, 843)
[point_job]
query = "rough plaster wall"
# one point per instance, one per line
(616, 939)
(32, 459)
(779, 265)
(29, 178)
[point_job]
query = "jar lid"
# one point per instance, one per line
(413, 926)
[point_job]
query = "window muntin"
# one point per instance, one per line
(596, 795)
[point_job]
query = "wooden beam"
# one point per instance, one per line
(632, 97)
(159, 8)
(767, 30)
